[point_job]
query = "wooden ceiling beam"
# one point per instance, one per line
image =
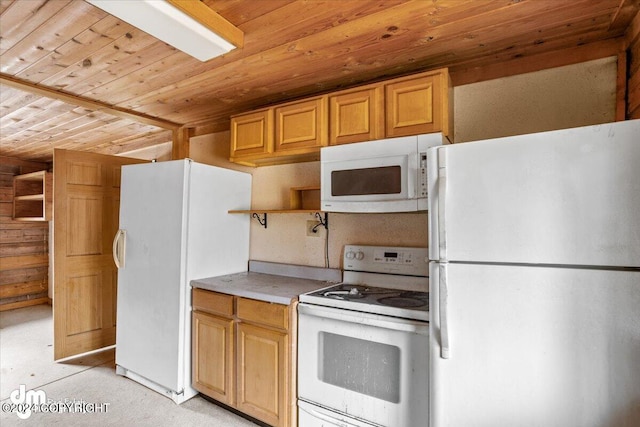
(81, 101)
(210, 19)
(633, 31)
(180, 147)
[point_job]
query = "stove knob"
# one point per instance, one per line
(350, 255)
(360, 255)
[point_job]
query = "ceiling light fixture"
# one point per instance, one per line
(188, 25)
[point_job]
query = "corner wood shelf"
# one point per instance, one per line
(32, 196)
(301, 200)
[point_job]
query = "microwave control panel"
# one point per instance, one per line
(422, 175)
(382, 259)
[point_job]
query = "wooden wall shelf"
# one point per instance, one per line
(33, 196)
(301, 200)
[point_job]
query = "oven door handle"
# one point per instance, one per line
(365, 319)
(326, 418)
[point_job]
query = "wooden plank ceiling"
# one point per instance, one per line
(292, 48)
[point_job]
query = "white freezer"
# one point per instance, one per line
(177, 229)
(535, 346)
(568, 197)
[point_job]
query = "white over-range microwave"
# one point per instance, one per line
(388, 175)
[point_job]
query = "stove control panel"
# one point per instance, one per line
(382, 259)
(394, 257)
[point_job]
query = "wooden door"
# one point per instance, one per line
(86, 213)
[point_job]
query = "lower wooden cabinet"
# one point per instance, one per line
(213, 342)
(243, 355)
(261, 374)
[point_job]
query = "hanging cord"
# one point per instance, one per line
(326, 249)
(325, 223)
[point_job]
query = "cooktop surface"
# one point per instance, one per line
(370, 299)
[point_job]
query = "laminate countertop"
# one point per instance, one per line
(271, 282)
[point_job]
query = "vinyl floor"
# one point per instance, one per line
(88, 385)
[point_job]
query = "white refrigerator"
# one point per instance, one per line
(174, 227)
(534, 243)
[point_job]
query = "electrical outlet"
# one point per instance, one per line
(310, 231)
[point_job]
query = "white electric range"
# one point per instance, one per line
(363, 344)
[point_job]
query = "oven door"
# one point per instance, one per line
(370, 367)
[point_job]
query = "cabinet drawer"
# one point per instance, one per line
(213, 302)
(263, 313)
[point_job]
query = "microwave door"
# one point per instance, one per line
(369, 184)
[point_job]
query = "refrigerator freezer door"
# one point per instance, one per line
(568, 197)
(151, 287)
(536, 346)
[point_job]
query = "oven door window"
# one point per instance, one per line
(359, 182)
(362, 366)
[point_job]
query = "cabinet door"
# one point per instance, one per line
(356, 115)
(252, 133)
(262, 367)
(414, 105)
(213, 372)
(301, 125)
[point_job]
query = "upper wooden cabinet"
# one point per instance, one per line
(356, 115)
(301, 125)
(251, 134)
(411, 105)
(417, 104)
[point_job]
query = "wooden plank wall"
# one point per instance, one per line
(24, 245)
(633, 58)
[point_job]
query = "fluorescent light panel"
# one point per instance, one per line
(169, 24)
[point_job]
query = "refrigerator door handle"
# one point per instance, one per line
(442, 193)
(119, 249)
(445, 350)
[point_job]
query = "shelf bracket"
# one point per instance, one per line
(263, 220)
(322, 221)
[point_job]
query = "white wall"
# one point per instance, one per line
(558, 98)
